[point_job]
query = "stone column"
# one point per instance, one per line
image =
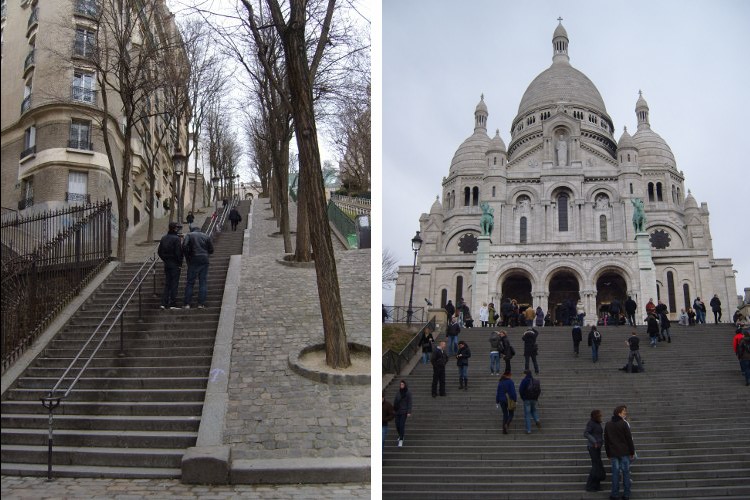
(480, 279)
(647, 269)
(589, 305)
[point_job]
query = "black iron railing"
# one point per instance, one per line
(47, 259)
(33, 18)
(399, 314)
(77, 198)
(87, 8)
(26, 203)
(394, 362)
(26, 104)
(83, 94)
(28, 151)
(343, 222)
(80, 144)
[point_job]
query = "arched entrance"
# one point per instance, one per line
(517, 286)
(563, 296)
(609, 286)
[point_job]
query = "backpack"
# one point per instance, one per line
(597, 337)
(534, 389)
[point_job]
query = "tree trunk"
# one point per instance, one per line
(302, 249)
(300, 85)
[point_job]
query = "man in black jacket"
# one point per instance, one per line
(439, 360)
(197, 248)
(630, 307)
(716, 308)
(618, 443)
(170, 252)
(462, 361)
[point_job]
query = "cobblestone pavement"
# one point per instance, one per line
(273, 412)
(132, 489)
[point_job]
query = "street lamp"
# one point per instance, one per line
(178, 162)
(416, 244)
(215, 181)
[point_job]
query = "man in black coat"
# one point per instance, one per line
(530, 348)
(716, 308)
(630, 307)
(618, 443)
(439, 360)
(170, 252)
(450, 309)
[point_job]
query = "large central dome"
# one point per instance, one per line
(561, 83)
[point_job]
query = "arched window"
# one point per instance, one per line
(670, 291)
(650, 191)
(631, 188)
(459, 289)
(475, 196)
(453, 199)
(562, 212)
(659, 196)
(603, 227)
(493, 191)
(522, 237)
(658, 291)
(628, 157)
(443, 297)
(467, 196)
(494, 160)
(674, 195)
(686, 295)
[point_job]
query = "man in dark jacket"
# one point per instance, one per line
(462, 360)
(618, 443)
(594, 341)
(593, 435)
(530, 348)
(630, 307)
(439, 360)
(450, 309)
(716, 308)
(453, 330)
(614, 312)
(577, 338)
(634, 353)
(235, 218)
(530, 390)
(506, 350)
(170, 252)
(652, 328)
(197, 248)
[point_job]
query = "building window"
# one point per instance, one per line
(87, 8)
(467, 197)
(494, 160)
(686, 295)
(603, 227)
(493, 191)
(85, 43)
(522, 236)
(80, 135)
(29, 142)
(77, 187)
(83, 87)
(670, 291)
(562, 212)
(443, 297)
(475, 196)
(631, 188)
(659, 196)
(650, 191)
(459, 289)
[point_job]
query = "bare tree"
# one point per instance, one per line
(300, 75)
(390, 269)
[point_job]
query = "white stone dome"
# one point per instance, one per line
(690, 202)
(652, 149)
(626, 140)
(437, 207)
(471, 153)
(496, 144)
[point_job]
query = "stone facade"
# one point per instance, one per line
(563, 195)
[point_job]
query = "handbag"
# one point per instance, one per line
(511, 403)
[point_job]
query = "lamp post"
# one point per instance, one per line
(215, 181)
(178, 162)
(416, 244)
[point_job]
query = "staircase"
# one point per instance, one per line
(129, 416)
(689, 414)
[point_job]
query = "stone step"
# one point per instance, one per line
(141, 371)
(130, 362)
(119, 438)
(125, 409)
(131, 395)
(103, 422)
(119, 383)
(83, 456)
(91, 471)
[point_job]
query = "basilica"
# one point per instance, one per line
(565, 212)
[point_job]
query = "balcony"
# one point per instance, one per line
(87, 8)
(26, 203)
(77, 198)
(29, 62)
(83, 94)
(3, 11)
(26, 104)
(33, 18)
(28, 151)
(80, 144)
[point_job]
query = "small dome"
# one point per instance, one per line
(641, 102)
(690, 201)
(626, 140)
(652, 149)
(560, 31)
(437, 208)
(471, 153)
(481, 107)
(496, 144)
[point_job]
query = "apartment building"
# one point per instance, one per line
(53, 109)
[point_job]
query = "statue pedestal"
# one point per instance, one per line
(647, 272)
(480, 278)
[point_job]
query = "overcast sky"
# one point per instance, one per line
(689, 57)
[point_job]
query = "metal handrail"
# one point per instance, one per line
(393, 362)
(52, 401)
(218, 222)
